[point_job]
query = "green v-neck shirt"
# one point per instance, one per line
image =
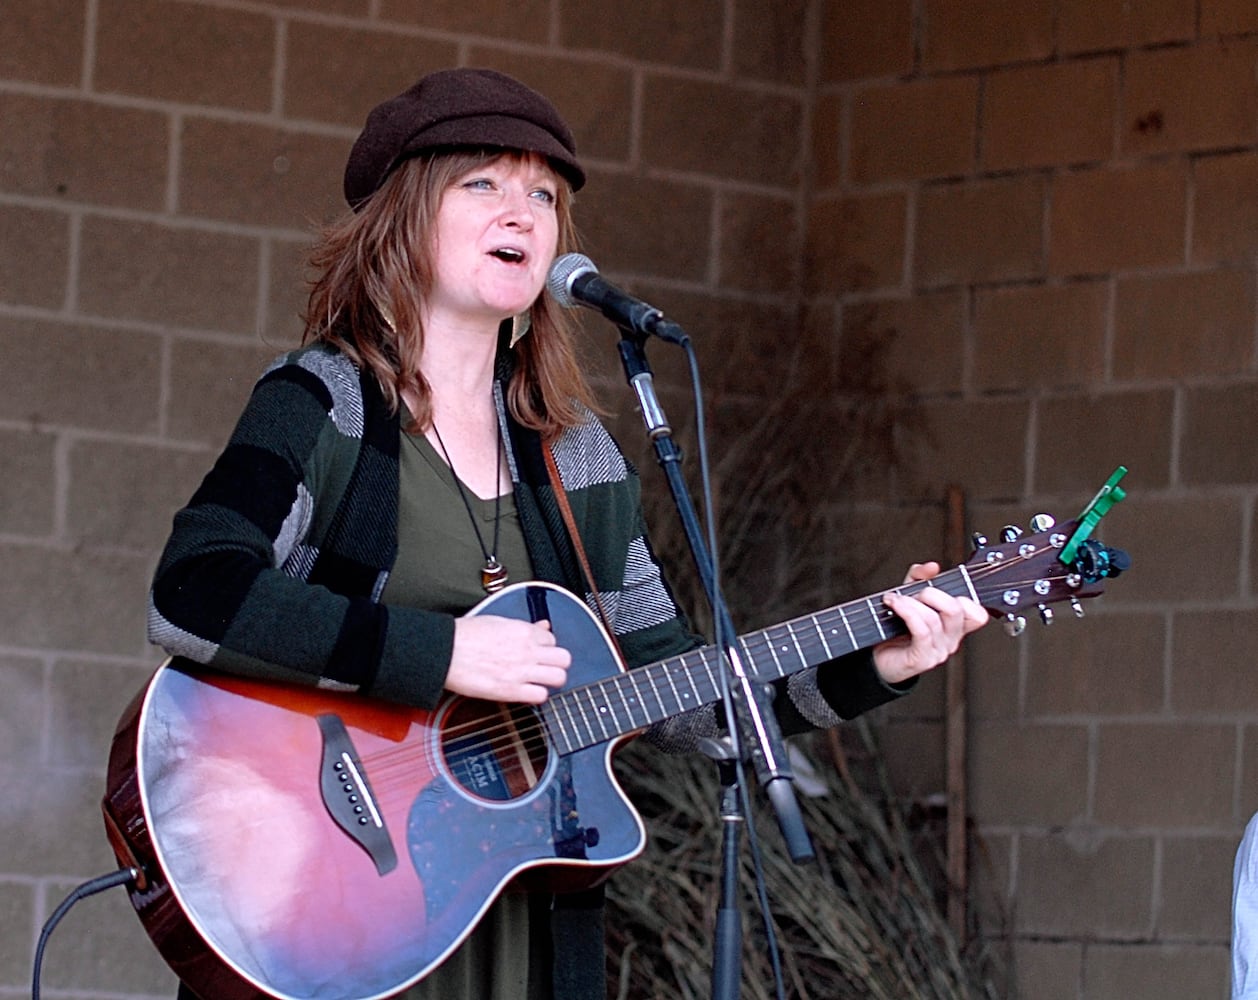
(440, 557)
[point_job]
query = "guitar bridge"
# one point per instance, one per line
(348, 796)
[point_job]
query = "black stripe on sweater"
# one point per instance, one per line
(267, 506)
(228, 575)
(356, 656)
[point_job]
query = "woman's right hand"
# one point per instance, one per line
(502, 659)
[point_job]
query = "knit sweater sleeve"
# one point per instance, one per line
(248, 582)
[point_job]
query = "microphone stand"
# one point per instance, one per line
(748, 705)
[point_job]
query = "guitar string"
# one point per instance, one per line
(530, 735)
(531, 738)
(491, 735)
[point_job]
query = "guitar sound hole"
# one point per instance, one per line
(495, 752)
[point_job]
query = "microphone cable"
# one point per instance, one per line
(90, 888)
(759, 880)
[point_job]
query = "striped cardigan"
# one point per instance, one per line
(275, 567)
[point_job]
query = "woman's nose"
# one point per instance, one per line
(516, 210)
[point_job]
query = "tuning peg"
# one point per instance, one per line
(1046, 614)
(1010, 533)
(979, 539)
(1015, 625)
(1076, 607)
(1042, 522)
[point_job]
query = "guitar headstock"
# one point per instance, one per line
(1055, 563)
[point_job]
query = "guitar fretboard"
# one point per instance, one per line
(596, 713)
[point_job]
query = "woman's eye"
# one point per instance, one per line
(479, 183)
(544, 195)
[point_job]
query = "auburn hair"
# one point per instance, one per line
(372, 270)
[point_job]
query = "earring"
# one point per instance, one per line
(386, 314)
(521, 323)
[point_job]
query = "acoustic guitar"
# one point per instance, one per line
(294, 843)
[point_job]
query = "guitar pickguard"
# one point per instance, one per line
(459, 844)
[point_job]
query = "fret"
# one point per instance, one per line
(590, 736)
(869, 601)
(634, 679)
(620, 690)
(690, 676)
(598, 713)
(656, 706)
(749, 655)
(712, 662)
(790, 631)
(851, 636)
(779, 649)
(771, 646)
(553, 725)
(668, 676)
(647, 674)
(607, 707)
(566, 701)
(821, 634)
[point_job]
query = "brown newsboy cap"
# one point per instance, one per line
(458, 108)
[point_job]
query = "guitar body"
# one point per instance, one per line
(297, 843)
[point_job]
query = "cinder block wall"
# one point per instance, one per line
(1047, 209)
(1043, 211)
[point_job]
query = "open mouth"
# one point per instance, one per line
(509, 255)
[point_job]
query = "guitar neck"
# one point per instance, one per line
(616, 706)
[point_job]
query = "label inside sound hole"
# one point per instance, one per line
(475, 766)
(494, 752)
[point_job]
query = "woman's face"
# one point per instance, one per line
(496, 234)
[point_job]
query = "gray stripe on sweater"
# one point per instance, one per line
(170, 636)
(587, 456)
(643, 592)
(295, 526)
(337, 373)
(807, 697)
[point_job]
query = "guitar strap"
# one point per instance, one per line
(576, 919)
(561, 495)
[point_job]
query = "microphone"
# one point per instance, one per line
(574, 280)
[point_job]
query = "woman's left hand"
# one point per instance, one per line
(936, 622)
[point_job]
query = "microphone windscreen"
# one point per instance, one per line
(562, 271)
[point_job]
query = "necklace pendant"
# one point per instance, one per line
(494, 576)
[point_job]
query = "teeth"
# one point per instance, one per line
(508, 254)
